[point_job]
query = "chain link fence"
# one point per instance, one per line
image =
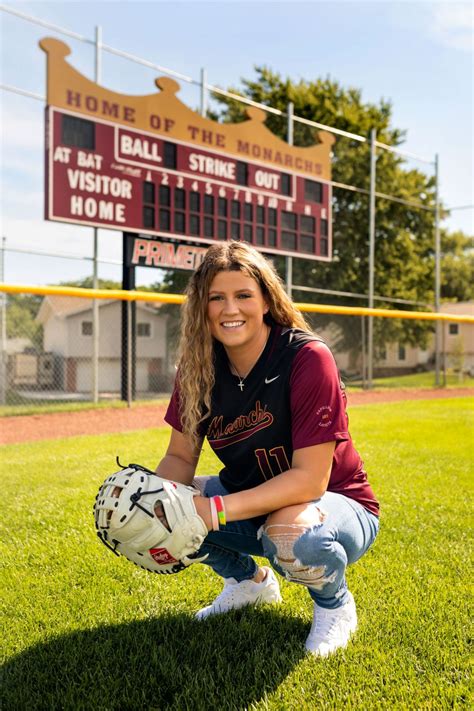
(47, 350)
(48, 353)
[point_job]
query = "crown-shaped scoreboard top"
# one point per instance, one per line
(162, 113)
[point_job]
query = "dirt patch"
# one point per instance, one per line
(30, 428)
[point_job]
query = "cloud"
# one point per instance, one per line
(22, 144)
(453, 25)
(26, 232)
(21, 128)
(52, 247)
(14, 203)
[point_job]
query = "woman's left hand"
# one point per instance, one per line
(203, 508)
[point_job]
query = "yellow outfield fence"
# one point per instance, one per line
(67, 344)
(179, 298)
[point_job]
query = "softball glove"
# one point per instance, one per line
(151, 521)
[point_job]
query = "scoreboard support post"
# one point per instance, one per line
(129, 349)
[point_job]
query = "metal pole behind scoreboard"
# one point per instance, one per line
(289, 260)
(203, 108)
(437, 278)
(95, 280)
(370, 330)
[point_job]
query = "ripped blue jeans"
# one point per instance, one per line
(315, 557)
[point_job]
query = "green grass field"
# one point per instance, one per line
(83, 629)
(423, 380)
(416, 380)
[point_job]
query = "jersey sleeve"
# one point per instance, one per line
(173, 416)
(318, 412)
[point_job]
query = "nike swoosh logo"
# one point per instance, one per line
(267, 381)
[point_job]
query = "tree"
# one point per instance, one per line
(86, 283)
(457, 266)
(21, 312)
(404, 234)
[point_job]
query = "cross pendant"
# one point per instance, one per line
(241, 386)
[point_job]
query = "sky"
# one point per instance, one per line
(416, 54)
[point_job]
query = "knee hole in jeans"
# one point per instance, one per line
(282, 539)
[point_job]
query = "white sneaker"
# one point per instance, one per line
(331, 629)
(247, 592)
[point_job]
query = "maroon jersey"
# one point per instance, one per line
(292, 398)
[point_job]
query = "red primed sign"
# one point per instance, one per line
(106, 175)
(146, 252)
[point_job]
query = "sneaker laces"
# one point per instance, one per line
(328, 623)
(330, 628)
(228, 591)
(233, 590)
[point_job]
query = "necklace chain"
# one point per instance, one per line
(241, 383)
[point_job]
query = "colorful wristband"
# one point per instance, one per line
(220, 508)
(214, 519)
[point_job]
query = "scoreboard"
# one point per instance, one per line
(103, 174)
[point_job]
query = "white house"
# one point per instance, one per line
(457, 339)
(68, 330)
(457, 347)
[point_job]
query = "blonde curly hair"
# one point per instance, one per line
(196, 374)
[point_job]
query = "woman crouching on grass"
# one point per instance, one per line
(266, 393)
